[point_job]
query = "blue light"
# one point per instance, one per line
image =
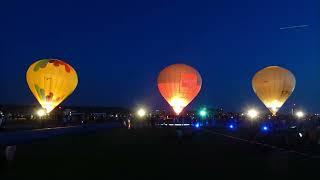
(231, 126)
(197, 125)
(265, 128)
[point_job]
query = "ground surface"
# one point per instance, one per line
(150, 153)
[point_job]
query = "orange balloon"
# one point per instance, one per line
(179, 84)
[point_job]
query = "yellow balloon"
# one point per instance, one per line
(273, 85)
(51, 81)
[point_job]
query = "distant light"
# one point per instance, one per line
(231, 126)
(300, 135)
(203, 113)
(164, 124)
(252, 113)
(41, 112)
(265, 128)
(300, 114)
(197, 125)
(141, 112)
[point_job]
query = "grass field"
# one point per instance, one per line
(149, 153)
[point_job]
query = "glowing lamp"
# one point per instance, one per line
(203, 113)
(300, 114)
(41, 112)
(141, 113)
(252, 113)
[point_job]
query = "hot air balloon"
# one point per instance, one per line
(273, 85)
(179, 84)
(51, 81)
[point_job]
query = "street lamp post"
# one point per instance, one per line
(300, 114)
(41, 113)
(203, 114)
(252, 114)
(141, 113)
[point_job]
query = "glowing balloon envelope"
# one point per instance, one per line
(273, 85)
(51, 81)
(179, 84)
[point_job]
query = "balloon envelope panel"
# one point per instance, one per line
(51, 81)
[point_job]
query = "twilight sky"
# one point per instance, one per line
(119, 47)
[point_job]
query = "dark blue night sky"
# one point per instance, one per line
(119, 47)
